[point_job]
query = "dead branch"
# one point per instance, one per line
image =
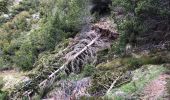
(112, 85)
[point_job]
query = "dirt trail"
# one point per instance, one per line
(8, 72)
(156, 89)
(11, 78)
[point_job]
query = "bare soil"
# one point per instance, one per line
(156, 89)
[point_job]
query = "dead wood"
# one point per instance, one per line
(73, 58)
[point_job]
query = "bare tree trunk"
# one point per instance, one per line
(69, 60)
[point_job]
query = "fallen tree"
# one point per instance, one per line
(82, 51)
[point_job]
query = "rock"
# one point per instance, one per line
(36, 16)
(120, 94)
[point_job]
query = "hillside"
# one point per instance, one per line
(84, 49)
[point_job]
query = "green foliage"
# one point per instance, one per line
(4, 62)
(43, 39)
(3, 6)
(150, 73)
(1, 82)
(107, 72)
(26, 5)
(11, 38)
(71, 15)
(12, 29)
(2, 19)
(88, 70)
(134, 63)
(25, 57)
(3, 95)
(141, 22)
(20, 21)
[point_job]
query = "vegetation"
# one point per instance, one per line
(69, 39)
(20, 42)
(141, 22)
(139, 81)
(3, 6)
(3, 95)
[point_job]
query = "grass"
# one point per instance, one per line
(141, 77)
(3, 95)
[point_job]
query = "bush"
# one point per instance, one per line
(88, 70)
(3, 6)
(3, 95)
(25, 56)
(69, 15)
(20, 21)
(26, 5)
(60, 20)
(141, 22)
(44, 39)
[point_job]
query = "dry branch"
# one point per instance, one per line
(69, 60)
(112, 85)
(76, 55)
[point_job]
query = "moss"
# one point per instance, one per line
(110, 65)
(129, 63)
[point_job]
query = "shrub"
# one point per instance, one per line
(141, 22)
(26, 5)
(61, 20)
(88, 70)
(74, 14)
(1, 82)
(20, 21)
(3, 95)
(25, 56)
(3, 6)
(69, 15)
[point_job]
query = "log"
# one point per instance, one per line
(69, 60)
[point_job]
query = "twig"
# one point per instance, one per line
(113, 84)
(69, 60)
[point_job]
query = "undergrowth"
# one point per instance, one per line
(3, 95)
(108, 71)
(139, 80)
